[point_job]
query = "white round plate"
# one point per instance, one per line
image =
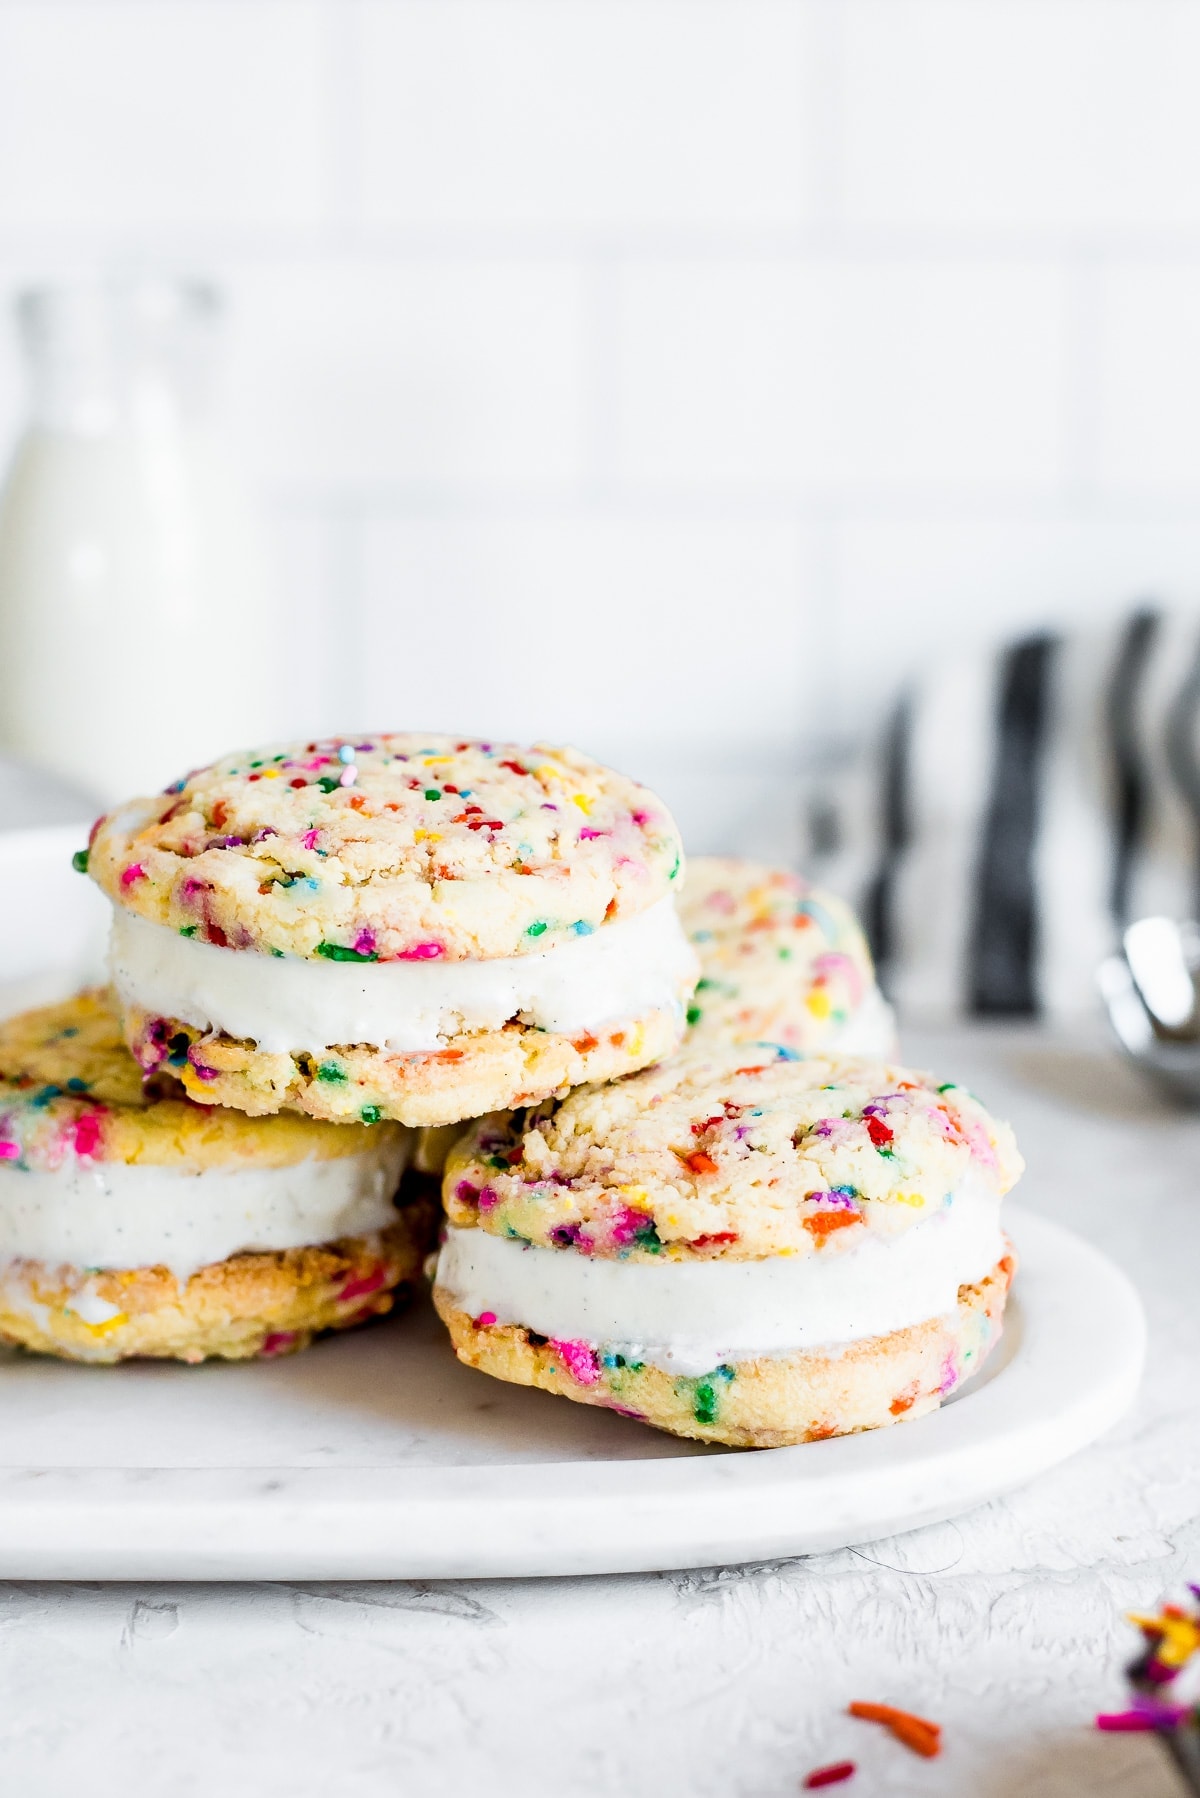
(376, 1456)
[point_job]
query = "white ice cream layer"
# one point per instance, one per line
(286, 1005)
(691, 1316)
(870, 1030)
(110, 1215)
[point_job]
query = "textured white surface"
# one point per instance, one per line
(1006, 1625)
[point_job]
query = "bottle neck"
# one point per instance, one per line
(118, 358)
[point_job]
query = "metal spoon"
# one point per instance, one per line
(1150, 992)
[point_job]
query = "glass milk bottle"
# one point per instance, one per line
(134, 612)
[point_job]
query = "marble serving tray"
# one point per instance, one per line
(376, 1456)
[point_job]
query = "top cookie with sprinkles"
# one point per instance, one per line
(735, 1151)
(781, 961)
(391, 847)
(70, 1087)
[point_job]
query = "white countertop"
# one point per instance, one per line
(1005, 1626)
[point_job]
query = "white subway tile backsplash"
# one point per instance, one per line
(425, 373)
(122, 116)
(607, 114)
(315, 564)
(608, 631)
(1071, 115)
(828, 375)
(679, 372)
(914, 588)
(1148, 378)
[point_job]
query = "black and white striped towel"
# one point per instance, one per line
(1029, 804)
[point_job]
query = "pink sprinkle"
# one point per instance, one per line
(641, 819)
(199, 1069)
(278, 1342)
(580, 1360)
(10, 1151)
(626, 1223)
(87, 1132)
(465, 1193)
(586, 835)
(349, 776)
(833, 962)
(949, 1375)
(364, 943)
(422, 952)
(134, 871)
(149, 1054)
(485, 1320)
(309, 839)
(1120, 1721)
(488, 1196)
(357, 1289)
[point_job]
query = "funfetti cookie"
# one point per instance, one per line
(780, 961)
(399, 926)
(132, 1224)
(740, 1245)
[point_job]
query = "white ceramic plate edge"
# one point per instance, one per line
(1074, 1371)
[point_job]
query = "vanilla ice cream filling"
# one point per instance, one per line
(107, 1215)
(869, 1030)
(287, 1005)
(692, 1316)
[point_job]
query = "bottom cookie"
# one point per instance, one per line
(250, 1304)
(765, 1403)
(477, 1072)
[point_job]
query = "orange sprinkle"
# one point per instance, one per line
(917, 1733)
(700, 1163)
(821, 1223)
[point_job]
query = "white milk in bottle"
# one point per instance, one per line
(134, 605)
